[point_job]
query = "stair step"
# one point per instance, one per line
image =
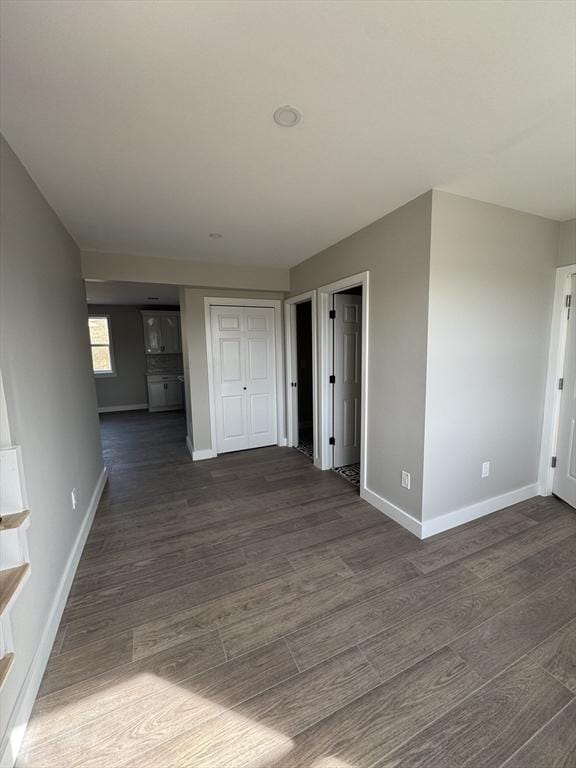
(5, 664)
(10, 582)
(13, 521)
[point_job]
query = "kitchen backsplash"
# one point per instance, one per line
(163, 363)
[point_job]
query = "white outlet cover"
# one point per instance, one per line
(405, 481)
(485, 469)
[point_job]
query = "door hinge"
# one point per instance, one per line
(561, 383)
(332, 441)
(568, 301)
(332, 379)
(332, 314)
(553, 462)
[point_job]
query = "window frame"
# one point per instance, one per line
(110, 345)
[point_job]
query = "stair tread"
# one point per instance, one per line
(10, 580)
(14, 520)
(5, 664)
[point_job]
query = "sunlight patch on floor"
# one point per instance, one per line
(167, 722)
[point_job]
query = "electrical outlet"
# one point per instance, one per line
(73, 497)
(405, 481)
(485, 469)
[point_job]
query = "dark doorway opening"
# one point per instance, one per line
(304, 378)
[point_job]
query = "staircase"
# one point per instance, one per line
(14, 558)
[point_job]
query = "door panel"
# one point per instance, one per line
(230, 356)
(233, 416)
(259, 414)
(174, 394)
(258, 359)
(261, 376)
(564, 484)
(152, 334)
(347, 338)
(170, 325)
(244, 369)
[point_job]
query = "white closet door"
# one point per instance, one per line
(260, 376)
(564, 484)
(244, 366)
(347, 387)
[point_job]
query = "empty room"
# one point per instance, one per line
(288, 384)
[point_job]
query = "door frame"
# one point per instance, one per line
(290, 344)
(556, 355)
(276, 305)
(325, 365)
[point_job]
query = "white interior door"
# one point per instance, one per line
(564, 484)
(244, 365)
(293, 393)
(347, 386)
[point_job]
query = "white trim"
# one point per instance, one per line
(290, 328)
(324, 357)
(206, 453)
(190, 446)
(558, 336)
(392, 511)
(480, 509)
(276, 305)
(19, 719)
(114, 408)
(461, 516)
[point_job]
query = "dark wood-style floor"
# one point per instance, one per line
(252, 611)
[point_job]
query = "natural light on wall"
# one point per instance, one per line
(102, 358)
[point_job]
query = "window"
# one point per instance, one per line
(100, 340)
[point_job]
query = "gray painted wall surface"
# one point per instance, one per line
(396, 251)
(567, 243)
(491, 291)
(196, 359)
(50, 395)
(128, 387)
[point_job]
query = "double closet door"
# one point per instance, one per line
(244, 367)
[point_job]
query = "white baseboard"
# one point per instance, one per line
(114, 408)
(23, 708)
(283, 442)
(391, 510)
(189, 446)
(474, 511)
(206, 453)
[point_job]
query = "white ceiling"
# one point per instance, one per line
(149, 125)
(138, 294)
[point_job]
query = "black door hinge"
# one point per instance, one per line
(332, 314)
(332, 441)
(568, 301)
(332, 379)
(561, 383)
(553, 462)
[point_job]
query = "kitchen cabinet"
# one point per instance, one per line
(161, 333)
(165, 393)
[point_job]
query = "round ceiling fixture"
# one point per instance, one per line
(287, 116)
(215, 235)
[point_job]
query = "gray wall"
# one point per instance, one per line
(128, 387)
(491, 291)
(396, 251)
(567, 244)
(196, 359)
(50, 395)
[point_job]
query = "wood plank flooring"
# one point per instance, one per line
(251, 611)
